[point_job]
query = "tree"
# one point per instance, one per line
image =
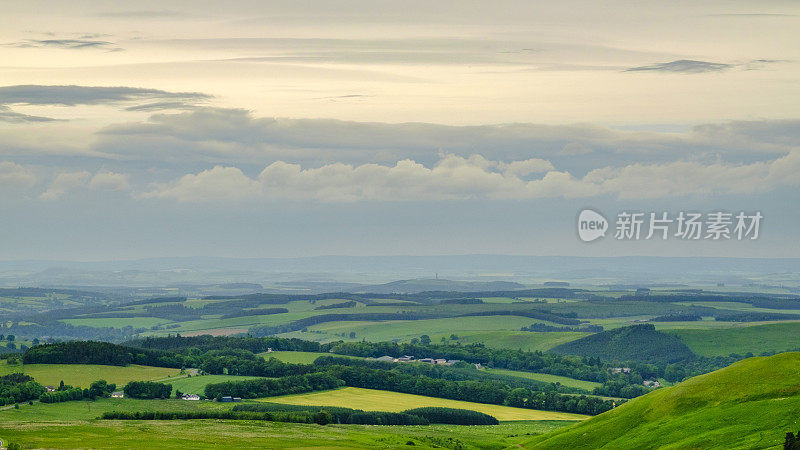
(10, 337)
(101, 388)
(792, 442)
(425, 339)
(178, 393)
(35, 341)
(352, 335)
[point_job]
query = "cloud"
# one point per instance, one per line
(683, 66)
(219, 183)
(161, 106)
(87, 95)
(225, 136)
(69, 44)
(110, 181)
(526, 167)
(143, 14)
(64, 182)
(457, 178)
(14, 177)
(7, 115)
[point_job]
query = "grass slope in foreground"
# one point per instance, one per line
(74, 425)
(375, 400)
(750, 404)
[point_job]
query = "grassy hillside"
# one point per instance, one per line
(370, 399)
(774, 337)
(84, 374)
(751, 404)
(641, 343)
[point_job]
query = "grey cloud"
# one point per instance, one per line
(161, 106)
(87, 95)
(223, 135)
(683, 66)
(7, 115)
(70, 44)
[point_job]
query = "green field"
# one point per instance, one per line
(84, 374)
(295, 357)
(494, 331)
(373, 400)
(74, 425)
(197, 383)
(436, 328)
(773, 337)
(547, 378)
(118, 322)
(520, 340)
(751, 404)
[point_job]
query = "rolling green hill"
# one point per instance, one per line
(774, 337)
(750, 404)
(640, 343)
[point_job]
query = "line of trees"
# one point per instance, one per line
(269, 387)
(95, 352)
(581, 368)
(147, 390)
(65, 393)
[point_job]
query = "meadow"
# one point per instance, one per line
(374, 400)
(119, 322)
(197, 384)
(774, 337)
(75, 425)
(294, 357)
(83, 375)
(203, 434)
(547, 378)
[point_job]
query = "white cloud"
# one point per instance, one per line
(526, 167)
(110, 181)
(63, 182)
(455, 177)
(14, 176)
(219, 183)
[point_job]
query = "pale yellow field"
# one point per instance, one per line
(374, 400)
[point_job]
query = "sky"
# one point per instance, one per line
(263, 128)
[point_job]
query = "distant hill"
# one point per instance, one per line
(640, 343)
(750, 404)
(431, 284)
